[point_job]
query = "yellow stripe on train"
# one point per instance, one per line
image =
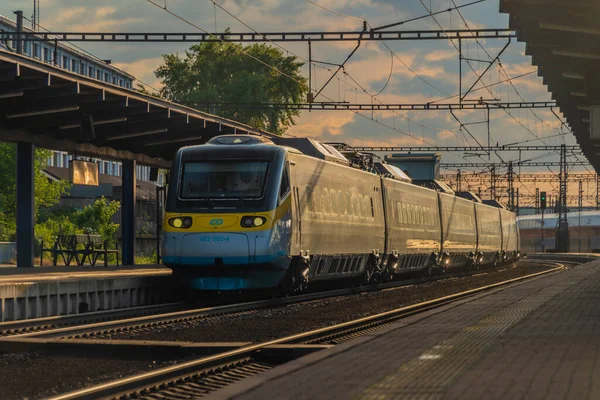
(230, 222)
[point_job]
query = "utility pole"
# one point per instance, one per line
(517, 205)
(562, 232)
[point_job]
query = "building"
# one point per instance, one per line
(68, 57)
(75, 60)
(61, 159)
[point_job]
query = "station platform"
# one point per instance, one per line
(539, 339)
(50, 291)
(11, 273)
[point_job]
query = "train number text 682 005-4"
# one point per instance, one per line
(214, 239)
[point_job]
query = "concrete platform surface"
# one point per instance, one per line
(11, 273)
(539, 339)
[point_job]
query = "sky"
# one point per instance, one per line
(420, 71)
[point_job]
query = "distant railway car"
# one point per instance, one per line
(489, 233)
(245, 212)
(413, 226)
(510, 235)
(460, 231)
(584, 232)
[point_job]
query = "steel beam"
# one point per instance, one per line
(485, 149)
(315, 36)
(128, 198)
(521, 164)
(25, 204)
(465, 105)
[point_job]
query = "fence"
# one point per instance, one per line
(8, 252)
(148, 222)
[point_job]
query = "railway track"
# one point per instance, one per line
(203, 376)
(108, 325)
(11, 328)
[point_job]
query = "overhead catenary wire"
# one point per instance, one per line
(266, 64)
(327, 69)
(373, 98)
(472, 69)
(501, 68)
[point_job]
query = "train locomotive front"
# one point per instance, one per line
(228, 217)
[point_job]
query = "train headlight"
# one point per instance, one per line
(253, 222)
(181, 222)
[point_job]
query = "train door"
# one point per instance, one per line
(296, 208)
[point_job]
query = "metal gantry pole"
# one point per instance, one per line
(562, 232)
(19, 32)
(511, 189)
(580, 207)
(597, 193)
(460, 95)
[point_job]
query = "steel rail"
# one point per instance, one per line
(9, 328)
(165, 376)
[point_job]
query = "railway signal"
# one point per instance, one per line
(543, 200)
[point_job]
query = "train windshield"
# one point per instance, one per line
(223, 179)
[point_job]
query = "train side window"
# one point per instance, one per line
(372, 208)
(316, 198)
(342, 202)
(284, 188)
(334, 203)
(325, 197)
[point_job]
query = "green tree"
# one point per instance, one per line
(47, 193)
(223, 72)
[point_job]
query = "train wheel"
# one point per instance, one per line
(371, 270)
(295, 280)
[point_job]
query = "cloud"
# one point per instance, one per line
(440, 55)
(103, 12)
(321, 123)
(143, 70)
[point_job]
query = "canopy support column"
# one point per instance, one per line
(128, 198)
(25, 204)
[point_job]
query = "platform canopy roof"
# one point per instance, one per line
(563, 39)
(55, 108)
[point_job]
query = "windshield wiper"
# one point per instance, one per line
(243, 195)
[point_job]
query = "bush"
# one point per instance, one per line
(94, 219)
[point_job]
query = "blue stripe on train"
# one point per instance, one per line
(194, 260)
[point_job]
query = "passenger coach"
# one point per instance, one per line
(245, 212)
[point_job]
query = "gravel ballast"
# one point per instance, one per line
(41, 375)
